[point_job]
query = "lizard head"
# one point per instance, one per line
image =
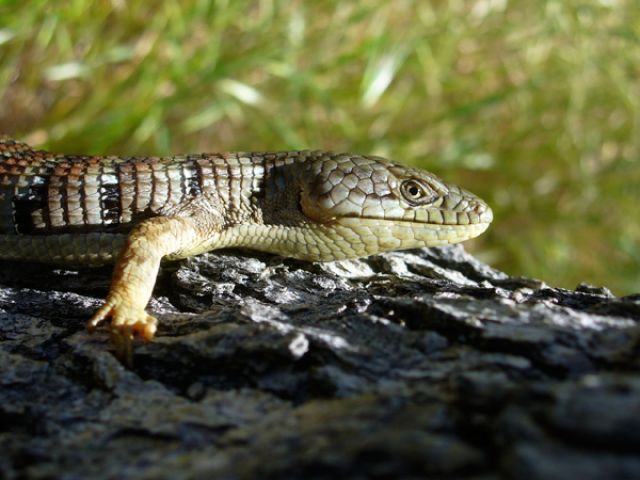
(386, 206)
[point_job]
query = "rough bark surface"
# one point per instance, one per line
(404, 365)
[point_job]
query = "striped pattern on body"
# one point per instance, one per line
(78, 209)
(43, 193)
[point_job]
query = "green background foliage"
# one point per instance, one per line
(533, 105)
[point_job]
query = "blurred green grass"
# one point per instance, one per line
(535, 106)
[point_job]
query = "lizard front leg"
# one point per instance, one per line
(135, 275)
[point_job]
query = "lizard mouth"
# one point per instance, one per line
(472, 218)
(431, 233)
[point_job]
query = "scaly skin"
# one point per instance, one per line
(311, 205)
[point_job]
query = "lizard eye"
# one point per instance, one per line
(417, 192)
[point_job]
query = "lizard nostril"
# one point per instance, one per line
(483, 211)
(479, 208)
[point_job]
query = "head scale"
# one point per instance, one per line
(372, 188)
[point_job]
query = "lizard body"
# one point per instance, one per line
(135, 211)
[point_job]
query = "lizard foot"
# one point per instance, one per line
(126, 322)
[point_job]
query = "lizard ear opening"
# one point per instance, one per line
(312, 208)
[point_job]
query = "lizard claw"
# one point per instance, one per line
(99, 317)
(126, 322)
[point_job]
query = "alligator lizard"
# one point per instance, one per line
(135, 211)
